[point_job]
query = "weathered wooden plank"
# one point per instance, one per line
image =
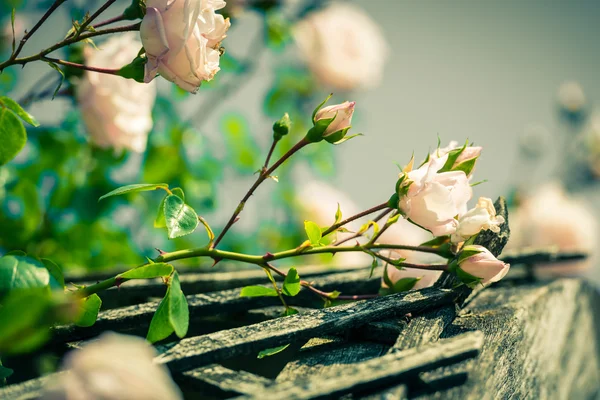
(321, 355)
(28, 390)
(193, 352)
(425, 328)
(541, 341)
(216, 380)
(136, 319)
(376, 373)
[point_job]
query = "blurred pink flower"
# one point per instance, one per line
(343, 46)
(550, 218)
(114, 367)
(116, 111)
(403, 232)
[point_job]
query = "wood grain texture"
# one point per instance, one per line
(375, 373)
(541, 342)
(197, 351)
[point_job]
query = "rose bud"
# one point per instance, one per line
(281, 127)
(462, 158)
(483, 216)
(182, 40)
(477, 265)
(332, 122)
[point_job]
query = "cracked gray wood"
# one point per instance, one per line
(376, 373)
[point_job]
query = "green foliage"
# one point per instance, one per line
(289, 311)
(313, 232)
(134, 70)
(257, 291)
(153, 270)
(136, 10)
(18, 110)
(172, 314)
(180, 218)
(21, 272)
(242, 150)
(160, 221)
(12, 135)
(272, 351)
(291, 284)
(57, 280)
(138, 187)
(24, 320)
(89, 308)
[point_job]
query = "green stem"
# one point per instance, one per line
(354, 217)
(108, 71)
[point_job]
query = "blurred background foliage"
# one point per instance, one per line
(50, 191)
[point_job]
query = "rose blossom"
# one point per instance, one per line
(550, 218)
(433, 199)
(343, 117)
(343, 46)
(111, 368)
(482, 264)
(483, 216)
(182, 39)
(116, 111)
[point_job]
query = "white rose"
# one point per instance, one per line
(483, 216)
(343, 117)
(182, 39)
(433, 199)
(343, 46)
(116, 111)
(114, 367)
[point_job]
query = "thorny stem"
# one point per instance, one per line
(109, 21)
(46, 15)
(66, 42)
(94, 16)
(108, 71)
(269, 155)
(264, 174)
(354, 217)
(270, 275)
(357, 235)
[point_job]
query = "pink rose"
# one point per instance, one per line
(344, 48)
(478, 262)
(433, 199)
(182, 40)
(116, 111)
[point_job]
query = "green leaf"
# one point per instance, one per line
(404, 284)
(138, 187)
(4, 373)
(291, 284)
(62, 77)
(437, 241)
(154, 270)
(23, 318)
(386, 278)
(272, 351)
(180, 218)
(134, 70)
(346, 138)
(135, 10)
(313, 232)
(257, 291)
(90, 306)
(338, 215)
(316, 110)
(160, 222)
(466, 166)
(18, 110)
(20, 272)
(172, 314)
(57, 280)
(12, 135)
(289, 311)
